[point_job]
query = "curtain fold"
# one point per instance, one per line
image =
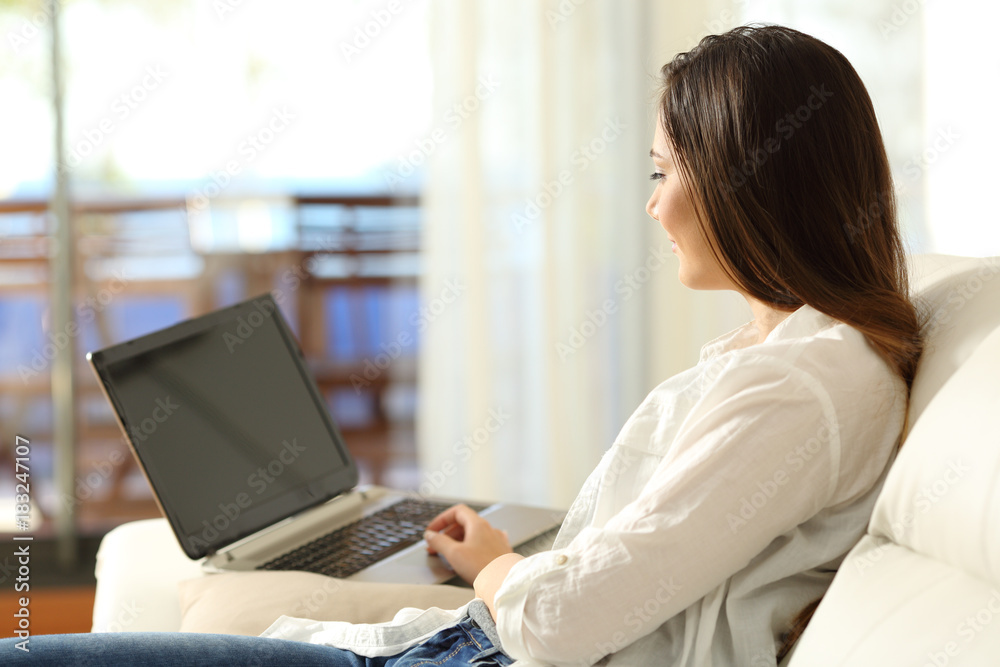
(551, 297)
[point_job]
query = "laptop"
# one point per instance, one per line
(247, 464)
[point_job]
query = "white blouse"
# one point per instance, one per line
(724, 506)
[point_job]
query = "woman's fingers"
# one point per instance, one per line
(452, 523)
(453, 531)
(466, 540)
(479, 543)
(448, 517)
(439, 542)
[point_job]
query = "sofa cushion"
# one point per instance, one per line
(138, 566)
(959, 299)
(942, 496)
(246, 603)
(891, 606)
(179, 595)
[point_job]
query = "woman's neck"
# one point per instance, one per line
(765, 317)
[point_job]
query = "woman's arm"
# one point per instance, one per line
(491, 578)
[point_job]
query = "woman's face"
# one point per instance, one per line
(672, 208)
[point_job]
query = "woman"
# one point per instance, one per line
(732, 494)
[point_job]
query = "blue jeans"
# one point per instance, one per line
(462, 644)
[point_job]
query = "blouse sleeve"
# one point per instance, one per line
(757, 455)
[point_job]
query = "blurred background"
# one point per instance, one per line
(450, 195)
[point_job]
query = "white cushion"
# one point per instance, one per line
(959, 297)
(139, 565)
(924, 587)
(889, 606)
(146, 583)
(247, 603)
(942, 497)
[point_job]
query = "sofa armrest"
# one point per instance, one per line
(139, 565)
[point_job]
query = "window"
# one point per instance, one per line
(215, 150)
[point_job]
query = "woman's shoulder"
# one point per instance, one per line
(821, 356)
(829, 364)
(807, 353)
(822, 347)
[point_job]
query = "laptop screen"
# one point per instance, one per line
(226, 422)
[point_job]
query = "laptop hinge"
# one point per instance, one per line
(228, 550)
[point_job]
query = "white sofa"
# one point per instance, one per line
(922, 588)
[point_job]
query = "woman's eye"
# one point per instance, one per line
(656, 176)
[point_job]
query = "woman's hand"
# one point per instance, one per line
(466, 540)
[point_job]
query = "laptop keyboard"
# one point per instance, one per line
(357, 545)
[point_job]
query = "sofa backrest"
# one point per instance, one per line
(960, 301)
(923, 586)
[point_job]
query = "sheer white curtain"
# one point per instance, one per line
(961, 140)
(551, 303)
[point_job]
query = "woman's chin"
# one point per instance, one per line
(687, 277)
(697, 281)
(686, 280)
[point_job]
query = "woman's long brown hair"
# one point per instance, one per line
(776, 135)
(777, 140)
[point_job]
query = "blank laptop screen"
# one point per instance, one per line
(227, 423)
